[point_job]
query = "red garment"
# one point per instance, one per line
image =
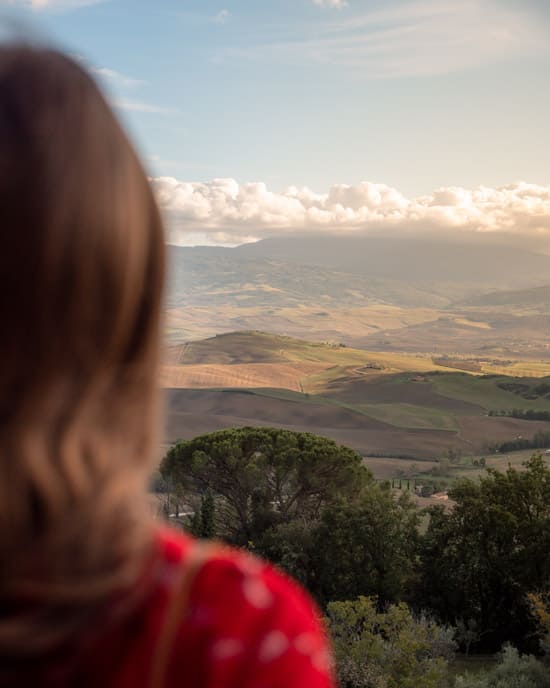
(246, 626)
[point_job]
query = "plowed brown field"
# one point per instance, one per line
(274, 375)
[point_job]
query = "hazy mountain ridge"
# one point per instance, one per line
(201, 277)
(350, 271)
(535, 298)
(473, 295)
(465, 260)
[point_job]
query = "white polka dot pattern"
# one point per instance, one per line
(257, 593)
(226, 648)
(273, 645)
(253, 624)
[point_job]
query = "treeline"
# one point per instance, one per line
(527, 391)
(311, 507)
(523, 414)
(540, 440)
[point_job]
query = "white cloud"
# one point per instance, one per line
(228, 212)
(417, 38)
(222, 17)
(116, 77)
(140, 106)
(331, 3)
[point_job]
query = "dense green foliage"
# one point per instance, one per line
(310, 506)
(265, 477)
(523, 414)
(540, 440)
(479, 560)
(304, 502)
(528, 391)
(540, 609)
(365, 546)
(513, 671)
(388, 649)
(203, 523)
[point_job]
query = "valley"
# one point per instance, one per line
(400, 348)
(382, 404)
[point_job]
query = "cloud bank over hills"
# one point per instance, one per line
(228, 212)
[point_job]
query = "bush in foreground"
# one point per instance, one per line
(388, 649)
(513, 671)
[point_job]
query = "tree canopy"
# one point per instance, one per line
(265, 476)
(304, 502)
(362, 547)
(310, 506)
(480, 560)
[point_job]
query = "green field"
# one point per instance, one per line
(388, 404)
(410, 416)
(430, 473)
(304, 398)
(485, 392)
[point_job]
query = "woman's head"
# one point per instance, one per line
(81, 275)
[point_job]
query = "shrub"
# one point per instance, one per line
(387, 649)
(513, 671)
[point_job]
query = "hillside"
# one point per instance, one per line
(204, 275)
(262, 347)
(537, 299)
(398, 271)
(379, 293)
(259, 359)
(467, 260)
(378, 402)
(488, 333)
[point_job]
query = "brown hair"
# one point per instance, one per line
(81, 275)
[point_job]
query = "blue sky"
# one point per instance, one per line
(417, 95)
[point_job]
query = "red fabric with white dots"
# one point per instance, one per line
(245, 626)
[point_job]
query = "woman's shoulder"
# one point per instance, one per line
(260, 584)
(243, 615)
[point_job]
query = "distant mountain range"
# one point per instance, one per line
(470, 260)
(536, 298)
(473, 295)
(353, 271)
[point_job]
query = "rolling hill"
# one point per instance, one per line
(378, 402)
(490, 333)
(537, 299)
(350, 271)
(382, 293)
(468, 260)
(206, 276)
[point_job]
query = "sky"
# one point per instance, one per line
(263, 116)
